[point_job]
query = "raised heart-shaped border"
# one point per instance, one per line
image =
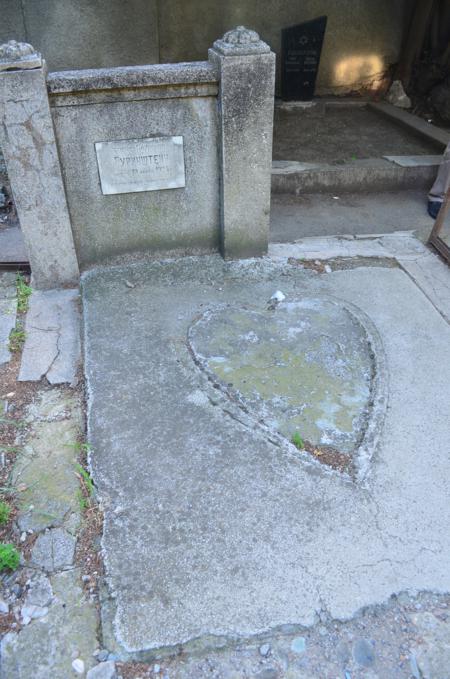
(379, 380)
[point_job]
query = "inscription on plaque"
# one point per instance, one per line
(301, 47)
(133, 165)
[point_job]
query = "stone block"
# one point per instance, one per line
(28, 142)
(246, 96)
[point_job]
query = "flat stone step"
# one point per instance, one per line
(370, 175)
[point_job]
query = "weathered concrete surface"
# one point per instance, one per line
(28, 142)
(47, 646)
(424, 266)
(210, 527)
(53, 345)
(8, 309)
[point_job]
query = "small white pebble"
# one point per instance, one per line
(278, 296)
(156, 669)
(264, 650)
(23, 536)
(327, 268)
(78, 666)
(335, 197)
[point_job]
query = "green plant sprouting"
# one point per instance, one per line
(297, 440)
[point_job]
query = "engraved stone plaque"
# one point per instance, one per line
(132, 165)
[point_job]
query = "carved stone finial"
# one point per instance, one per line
(18, 55)
(241, 41)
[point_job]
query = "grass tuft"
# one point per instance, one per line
(23, 293)
(9, 557)
(5, 511)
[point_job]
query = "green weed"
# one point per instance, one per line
(82, 447)
(86, 477)
(86, 493)
(9, 557)
(297, 440)
(5, 511)
(16, 339)
(23, 293)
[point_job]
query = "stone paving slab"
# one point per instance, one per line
(46, 647)
(52, 346)
(213, 529)
(12, 246)
(8, 309)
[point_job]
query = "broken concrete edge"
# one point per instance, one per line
(204, 644)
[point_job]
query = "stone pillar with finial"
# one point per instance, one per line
(28, 142)
(246, 67)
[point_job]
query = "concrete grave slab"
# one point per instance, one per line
(52, 346)
(214, 528)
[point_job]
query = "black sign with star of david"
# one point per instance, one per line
(301, 47)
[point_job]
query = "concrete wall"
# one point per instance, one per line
(107, 227)
(363, 36)
(73, 34)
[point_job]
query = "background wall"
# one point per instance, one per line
(363, 36)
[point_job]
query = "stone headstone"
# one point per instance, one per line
(301, 47)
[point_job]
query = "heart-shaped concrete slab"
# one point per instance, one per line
(311, 370)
